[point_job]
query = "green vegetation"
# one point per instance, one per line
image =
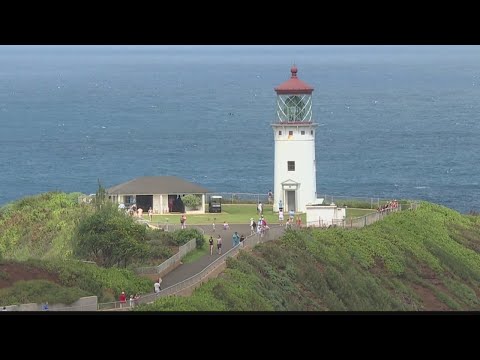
(426, 259)
(107, 284)
(192, 201)
(40, 291)
(195, 255)
(109, 237)
(239, 214)
(233, 214)
(353, 213)
(54, 226)
(40, 226)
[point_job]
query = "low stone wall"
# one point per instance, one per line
(87, 303)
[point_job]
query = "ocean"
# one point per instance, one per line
(394, 121)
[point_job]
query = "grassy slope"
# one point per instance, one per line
(40, 226)
(426, 259)
(74, 279)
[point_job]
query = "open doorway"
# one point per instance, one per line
(145, 202)
(291, 200)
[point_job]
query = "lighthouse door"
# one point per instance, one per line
(291, 200)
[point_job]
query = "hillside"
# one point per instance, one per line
(64, 281)
(40, 226)
(426, 259)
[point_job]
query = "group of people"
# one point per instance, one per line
(133, 301)
(236, 240)
(388, 207)
(260, 227)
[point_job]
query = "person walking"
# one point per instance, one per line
(219, 245)
(210, 241)
(156, 287)
(235, 239)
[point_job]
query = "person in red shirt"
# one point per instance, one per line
(123, 299)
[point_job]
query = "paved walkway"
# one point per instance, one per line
(185, 271)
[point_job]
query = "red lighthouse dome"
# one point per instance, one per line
(294, 85)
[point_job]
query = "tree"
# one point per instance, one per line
(192, 201)
(109, 237)
(100, 196)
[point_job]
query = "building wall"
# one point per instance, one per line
(157, 204)
(301, 149)
(324, 215)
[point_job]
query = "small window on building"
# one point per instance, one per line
(291, 165)
(311, 132)
(302, 132)
(280, 132)
(290, 133)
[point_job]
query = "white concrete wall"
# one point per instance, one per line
(324, 215)
(156, 204)
(301, 149)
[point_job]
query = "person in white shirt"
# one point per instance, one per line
(260, 208)
(156, 287)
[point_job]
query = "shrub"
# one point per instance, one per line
(192, 201)
(183, 236)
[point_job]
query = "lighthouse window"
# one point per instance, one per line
(280, 132)
(291, 165)
(290, 133)
(302, 132)
(311, 132)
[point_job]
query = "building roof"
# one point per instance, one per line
(294, 85)
(149, 185)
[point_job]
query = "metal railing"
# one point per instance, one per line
(249, 242)
(243, 198)
(362, 221)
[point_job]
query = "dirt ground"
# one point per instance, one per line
(11, 273)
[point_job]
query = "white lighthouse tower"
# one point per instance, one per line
(294, 135)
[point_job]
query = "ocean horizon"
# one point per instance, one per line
(394, 121)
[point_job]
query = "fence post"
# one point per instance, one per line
(365, 221)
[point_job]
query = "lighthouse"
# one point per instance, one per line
(294, 137)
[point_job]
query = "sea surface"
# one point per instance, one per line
(394, 121)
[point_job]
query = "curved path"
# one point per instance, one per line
(185, 271)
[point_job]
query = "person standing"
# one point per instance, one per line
(260, 208)
(280, 217)
(150, 213)
(183, 221)
(123, 299)
(299, 221)
(235, 239)
(242, 238)
(219, 245)
(210, 241)
(156, 287)
(213, 225)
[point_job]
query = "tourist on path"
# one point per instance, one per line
(210, 241)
